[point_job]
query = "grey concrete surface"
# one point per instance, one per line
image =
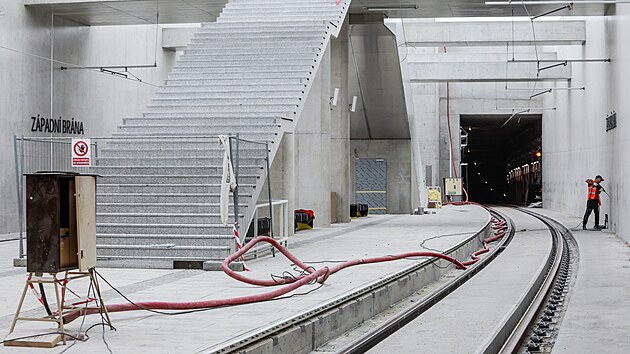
(467, 318)
(598, 312)
(144, 332)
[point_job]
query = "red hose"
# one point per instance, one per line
(290, 284)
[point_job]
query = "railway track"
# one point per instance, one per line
(533, 324)
(346, 312)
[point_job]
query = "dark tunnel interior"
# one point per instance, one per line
(502, 160)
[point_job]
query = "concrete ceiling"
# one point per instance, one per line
(128, 12)
(466, 8)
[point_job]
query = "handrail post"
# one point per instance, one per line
(235, 163)
(269, 191)
(18, 176)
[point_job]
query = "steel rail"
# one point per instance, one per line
(512, 336)
(384, 330)
(518, 336)
(260, 335)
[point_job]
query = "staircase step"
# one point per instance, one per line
(178, 149)
(168, 188)
(232, 95)
(172, 170)
(188, 252)
(242, 62)
(214, 128)
(166, 179)
(263, 24)
(165, 100)
(279, 73)
(174, 198)
(164, 229)
(170, 146)
(202, 208)
(230, 45)
(133, 262)
(156, 240)
(247, 58)
(172, 161)
(160, 218)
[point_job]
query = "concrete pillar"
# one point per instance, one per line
(340, 173)
(312, 146)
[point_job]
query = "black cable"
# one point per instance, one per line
(42, 334)
(100, 311)
(90, 288)
(185, 312)
(44, 300)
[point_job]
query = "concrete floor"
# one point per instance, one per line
(598, 313)
(146, 332)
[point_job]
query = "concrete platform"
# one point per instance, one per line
(467, 319)
(598, 312)
(202, 331)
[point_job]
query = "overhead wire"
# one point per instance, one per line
(72, 65)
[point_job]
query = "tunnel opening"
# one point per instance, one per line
(502, 158)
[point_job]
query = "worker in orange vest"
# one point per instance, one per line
(594, 201)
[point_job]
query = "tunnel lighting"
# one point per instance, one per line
(391, 8)
(469, 129)
(479, 173)
(498, 3)
(486, 182)
(475, 163)
(586, 60)
(569, 7)
(491, 189)
(540, 93)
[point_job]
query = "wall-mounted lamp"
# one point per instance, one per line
(353, 106)
(335, 97)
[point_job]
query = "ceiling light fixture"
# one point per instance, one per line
(391, 8)
(540, 93)
(590, 60)
(567, 7)
(586, 2)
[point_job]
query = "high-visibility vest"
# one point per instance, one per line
(593, 192)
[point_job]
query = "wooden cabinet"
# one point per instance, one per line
(60, 222)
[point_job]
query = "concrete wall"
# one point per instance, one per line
(397, 153)
(576, 145)
(98, 100)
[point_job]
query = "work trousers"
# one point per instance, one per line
(591, 205)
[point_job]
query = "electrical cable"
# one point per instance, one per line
(319, 275)
(72, 65)
(100, 307)
(90, 288)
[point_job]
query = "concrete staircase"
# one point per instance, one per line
(247, 73)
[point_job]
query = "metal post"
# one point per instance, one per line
(235, 166)
(269, 192)
(18, 177)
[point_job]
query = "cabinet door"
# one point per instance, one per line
(86, 221)
(42, 224)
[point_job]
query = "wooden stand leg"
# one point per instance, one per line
(59, 308)
(19, 308)
(97, 291)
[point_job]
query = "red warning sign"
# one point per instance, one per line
(81, 152)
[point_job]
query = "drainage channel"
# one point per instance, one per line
(309, 330)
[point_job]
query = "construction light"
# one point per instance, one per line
(391, 8)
